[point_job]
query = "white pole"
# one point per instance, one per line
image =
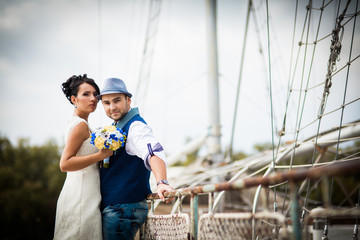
(213, 142)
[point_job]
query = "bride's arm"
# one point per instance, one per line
(69, 161)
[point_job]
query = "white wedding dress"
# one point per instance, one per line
(78, 213)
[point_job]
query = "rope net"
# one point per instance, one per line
(174, 226)
(239, 225)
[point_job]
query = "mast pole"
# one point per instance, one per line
(213, 142)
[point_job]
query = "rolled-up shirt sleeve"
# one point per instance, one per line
(142, 143)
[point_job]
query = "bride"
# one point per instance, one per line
(77, 214)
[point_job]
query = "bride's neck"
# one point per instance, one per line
(82, 115)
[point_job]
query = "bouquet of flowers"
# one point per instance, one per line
(108, 137)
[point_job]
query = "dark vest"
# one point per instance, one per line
(126, 180)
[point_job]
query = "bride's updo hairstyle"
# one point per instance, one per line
(71, 86)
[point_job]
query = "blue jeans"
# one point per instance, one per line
(122, 221)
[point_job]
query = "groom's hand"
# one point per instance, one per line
(161, 189)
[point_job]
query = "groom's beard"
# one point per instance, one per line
(119, 112)
(117, 116)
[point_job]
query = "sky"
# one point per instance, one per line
(44, 42)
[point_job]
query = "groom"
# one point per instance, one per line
(125, 184)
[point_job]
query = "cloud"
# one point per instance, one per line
(10, 16)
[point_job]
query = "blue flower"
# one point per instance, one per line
(108, 138)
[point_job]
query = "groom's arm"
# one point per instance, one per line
(142, 143)
(158, 168)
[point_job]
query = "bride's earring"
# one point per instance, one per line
(75, 106)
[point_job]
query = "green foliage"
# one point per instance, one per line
(263, 146)
(239, 155)
(30, 182)
(190, 158)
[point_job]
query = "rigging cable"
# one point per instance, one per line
(305, 94)
(295, 69)
(299, 114)
(271, 101)
(99, 39)
(335, 50)
(282, 131)
(146, 63)
(332, 62)
(261, 51)
(355, 231)
(346, 83)
(308, 80)
(276, 61)
(306, 22)
(240, 77)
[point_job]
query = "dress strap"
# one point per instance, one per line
(75, 120)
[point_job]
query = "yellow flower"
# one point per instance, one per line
(99, 142)
(115, 145)
(110, 128)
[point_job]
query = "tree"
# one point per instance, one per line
(30, 182)
(262, 147)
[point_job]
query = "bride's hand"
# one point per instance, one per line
(106, 153)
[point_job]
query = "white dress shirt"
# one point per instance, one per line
(142, 143)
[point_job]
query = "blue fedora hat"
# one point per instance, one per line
(114, 85)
